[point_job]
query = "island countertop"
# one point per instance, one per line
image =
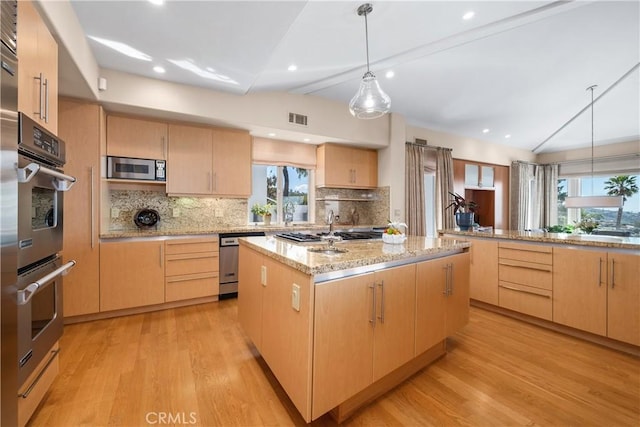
(361, 256)
(598, 241)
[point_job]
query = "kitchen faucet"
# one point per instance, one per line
(330, 219)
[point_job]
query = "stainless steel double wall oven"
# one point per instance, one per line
(41, 187)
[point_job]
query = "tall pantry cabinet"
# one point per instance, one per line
(82, 128)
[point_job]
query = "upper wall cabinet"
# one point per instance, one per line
(38, 70)
(478, 176)
(137, 138)
(346, 167)
(208, 162)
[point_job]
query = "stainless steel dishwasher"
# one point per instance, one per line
(229, 262)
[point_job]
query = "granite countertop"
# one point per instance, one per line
(632, 243)
(359, 256)
(162, 232)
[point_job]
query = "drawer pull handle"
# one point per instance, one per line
(526, 292)
(526, 267)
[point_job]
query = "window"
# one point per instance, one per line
(285, 187)
(626, 218)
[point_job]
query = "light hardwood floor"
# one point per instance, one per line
(195, 364)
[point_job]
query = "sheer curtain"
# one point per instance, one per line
(414, 197)
(546, 189)
(521, 176)
(444, 185)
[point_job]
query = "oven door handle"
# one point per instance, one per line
(25, 295)
(61, 181)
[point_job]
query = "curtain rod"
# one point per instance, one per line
(431, 147)
(597, 159)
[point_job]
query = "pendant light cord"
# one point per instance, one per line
(591, 88)
(366, 37)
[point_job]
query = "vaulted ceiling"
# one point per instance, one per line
(516, 68)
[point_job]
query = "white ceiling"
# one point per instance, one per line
(518, 67)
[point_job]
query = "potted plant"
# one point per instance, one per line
(463, 210)
(263, 211)
(588, 223)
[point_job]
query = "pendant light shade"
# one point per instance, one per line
(370, 101)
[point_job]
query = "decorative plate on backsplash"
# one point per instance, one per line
(146, 218)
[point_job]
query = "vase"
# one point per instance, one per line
(464, 220)
(267, 220)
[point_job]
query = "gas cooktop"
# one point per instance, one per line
(345, 235)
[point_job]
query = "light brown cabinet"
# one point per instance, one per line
(137, 138)
(191, 268)
(525, 274)
(598, 292)
(442, 299)
(207, 161)
(282, 333)
(131, 274)
(483, 282)
(364, 329)
(341, 166)
(38, 70)
(81, 126)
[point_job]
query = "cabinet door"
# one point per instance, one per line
(458, 298)
(623, 298)
(335, 167)
(365, 166)
(580, 289)
(80, 127)
(250, 294)
(471, 174)
(131, 274)
(189, 167)
(137, 138)
(431, 277)
(394, 342)
(484, 271)
(486, 176)
(231, 163)
(38, 70)
(344, 319)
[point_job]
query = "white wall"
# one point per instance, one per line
(471, 149)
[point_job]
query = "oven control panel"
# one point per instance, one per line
(38, 142)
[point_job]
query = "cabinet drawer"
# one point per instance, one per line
(522, 273)
(524, 299)
(206, 262)
(529, 253)
(191, 286)
(190, 246)
(33, 390)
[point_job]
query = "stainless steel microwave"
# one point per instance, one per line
(142, 169)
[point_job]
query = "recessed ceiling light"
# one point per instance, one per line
(508, 136)
(485, 130)
(468, 15)
(158, 69)
(292, 67)
(390, 74)
(156, 2)
(122, 48)
(307, 139)
(271, 134)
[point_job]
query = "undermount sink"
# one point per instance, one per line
(327, 250)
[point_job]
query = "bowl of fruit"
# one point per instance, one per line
(393, 234)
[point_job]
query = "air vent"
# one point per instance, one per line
(421, 141)
(297, 119)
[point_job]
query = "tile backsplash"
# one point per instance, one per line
(354, 207)
(175, 212)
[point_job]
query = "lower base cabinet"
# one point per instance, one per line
(131, 274)
(597, 292)
(364, 329)
(191, 268)
(442, 299)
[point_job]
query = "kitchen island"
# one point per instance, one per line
(579, 284)
(337, 330)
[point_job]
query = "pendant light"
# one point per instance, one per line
(593, 201)
(370, 102)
